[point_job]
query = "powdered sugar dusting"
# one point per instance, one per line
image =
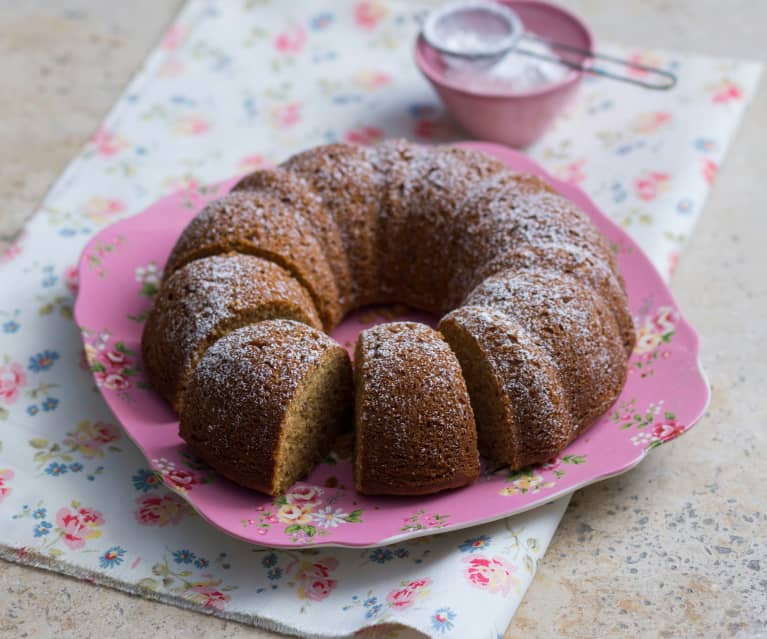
(248, 380)
(415, 421)
(297, 192)
(388, 353)
(351, 190)
(571, 323)
(213, 289)
(252, 358)
(536, 408)
(253, 222)
(208, 296)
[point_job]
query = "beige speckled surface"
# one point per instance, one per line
(675, 548)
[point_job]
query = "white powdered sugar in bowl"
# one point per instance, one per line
(514, 72)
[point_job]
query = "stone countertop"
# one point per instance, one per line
(676, 547)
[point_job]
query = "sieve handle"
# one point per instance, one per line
(666, 79)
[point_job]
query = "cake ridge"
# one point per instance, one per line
(254, 223)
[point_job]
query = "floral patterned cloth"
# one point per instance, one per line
(237, 86)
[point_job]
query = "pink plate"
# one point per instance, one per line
(665, 395)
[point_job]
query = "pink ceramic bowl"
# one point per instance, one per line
(516, 118)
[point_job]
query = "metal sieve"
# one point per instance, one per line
(479, 33)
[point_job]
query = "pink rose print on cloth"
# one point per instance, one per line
(107, 144)
(13, 251)
(253, 162)
(726, 91)
(161, 510)
(90, 438)
(173, 38)
(372, 80)
(172, 68)
(6, 474)
(191, 125)
(651, 184)
(195, 193)
(673, 260)
(368, 14)
(101, 209)
(364, 135)
(78, 525)
(651, 122)
(314, 582)
(71, 279)
(644, 58)
(412, 591)
(572, 172)
(189, 576)
(284, 116)
(710, 170)
(291, 40)
(207, 595)
(12, 380)
(494, 574)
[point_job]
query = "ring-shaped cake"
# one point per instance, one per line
(532, 346)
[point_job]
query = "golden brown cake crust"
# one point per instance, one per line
(536, 421)
(204, 300)
(398, 162)
(242, 391)
(294, 190)
(448, 176)
(415, 431)
(568, 320)
(350, 189)
(261, 224)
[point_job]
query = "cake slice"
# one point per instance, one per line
(522, 411)
(206, 299)
(414, 426)
(266, 402)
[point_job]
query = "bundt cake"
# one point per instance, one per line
(266, 401)
(415, 429)
(533, 345)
